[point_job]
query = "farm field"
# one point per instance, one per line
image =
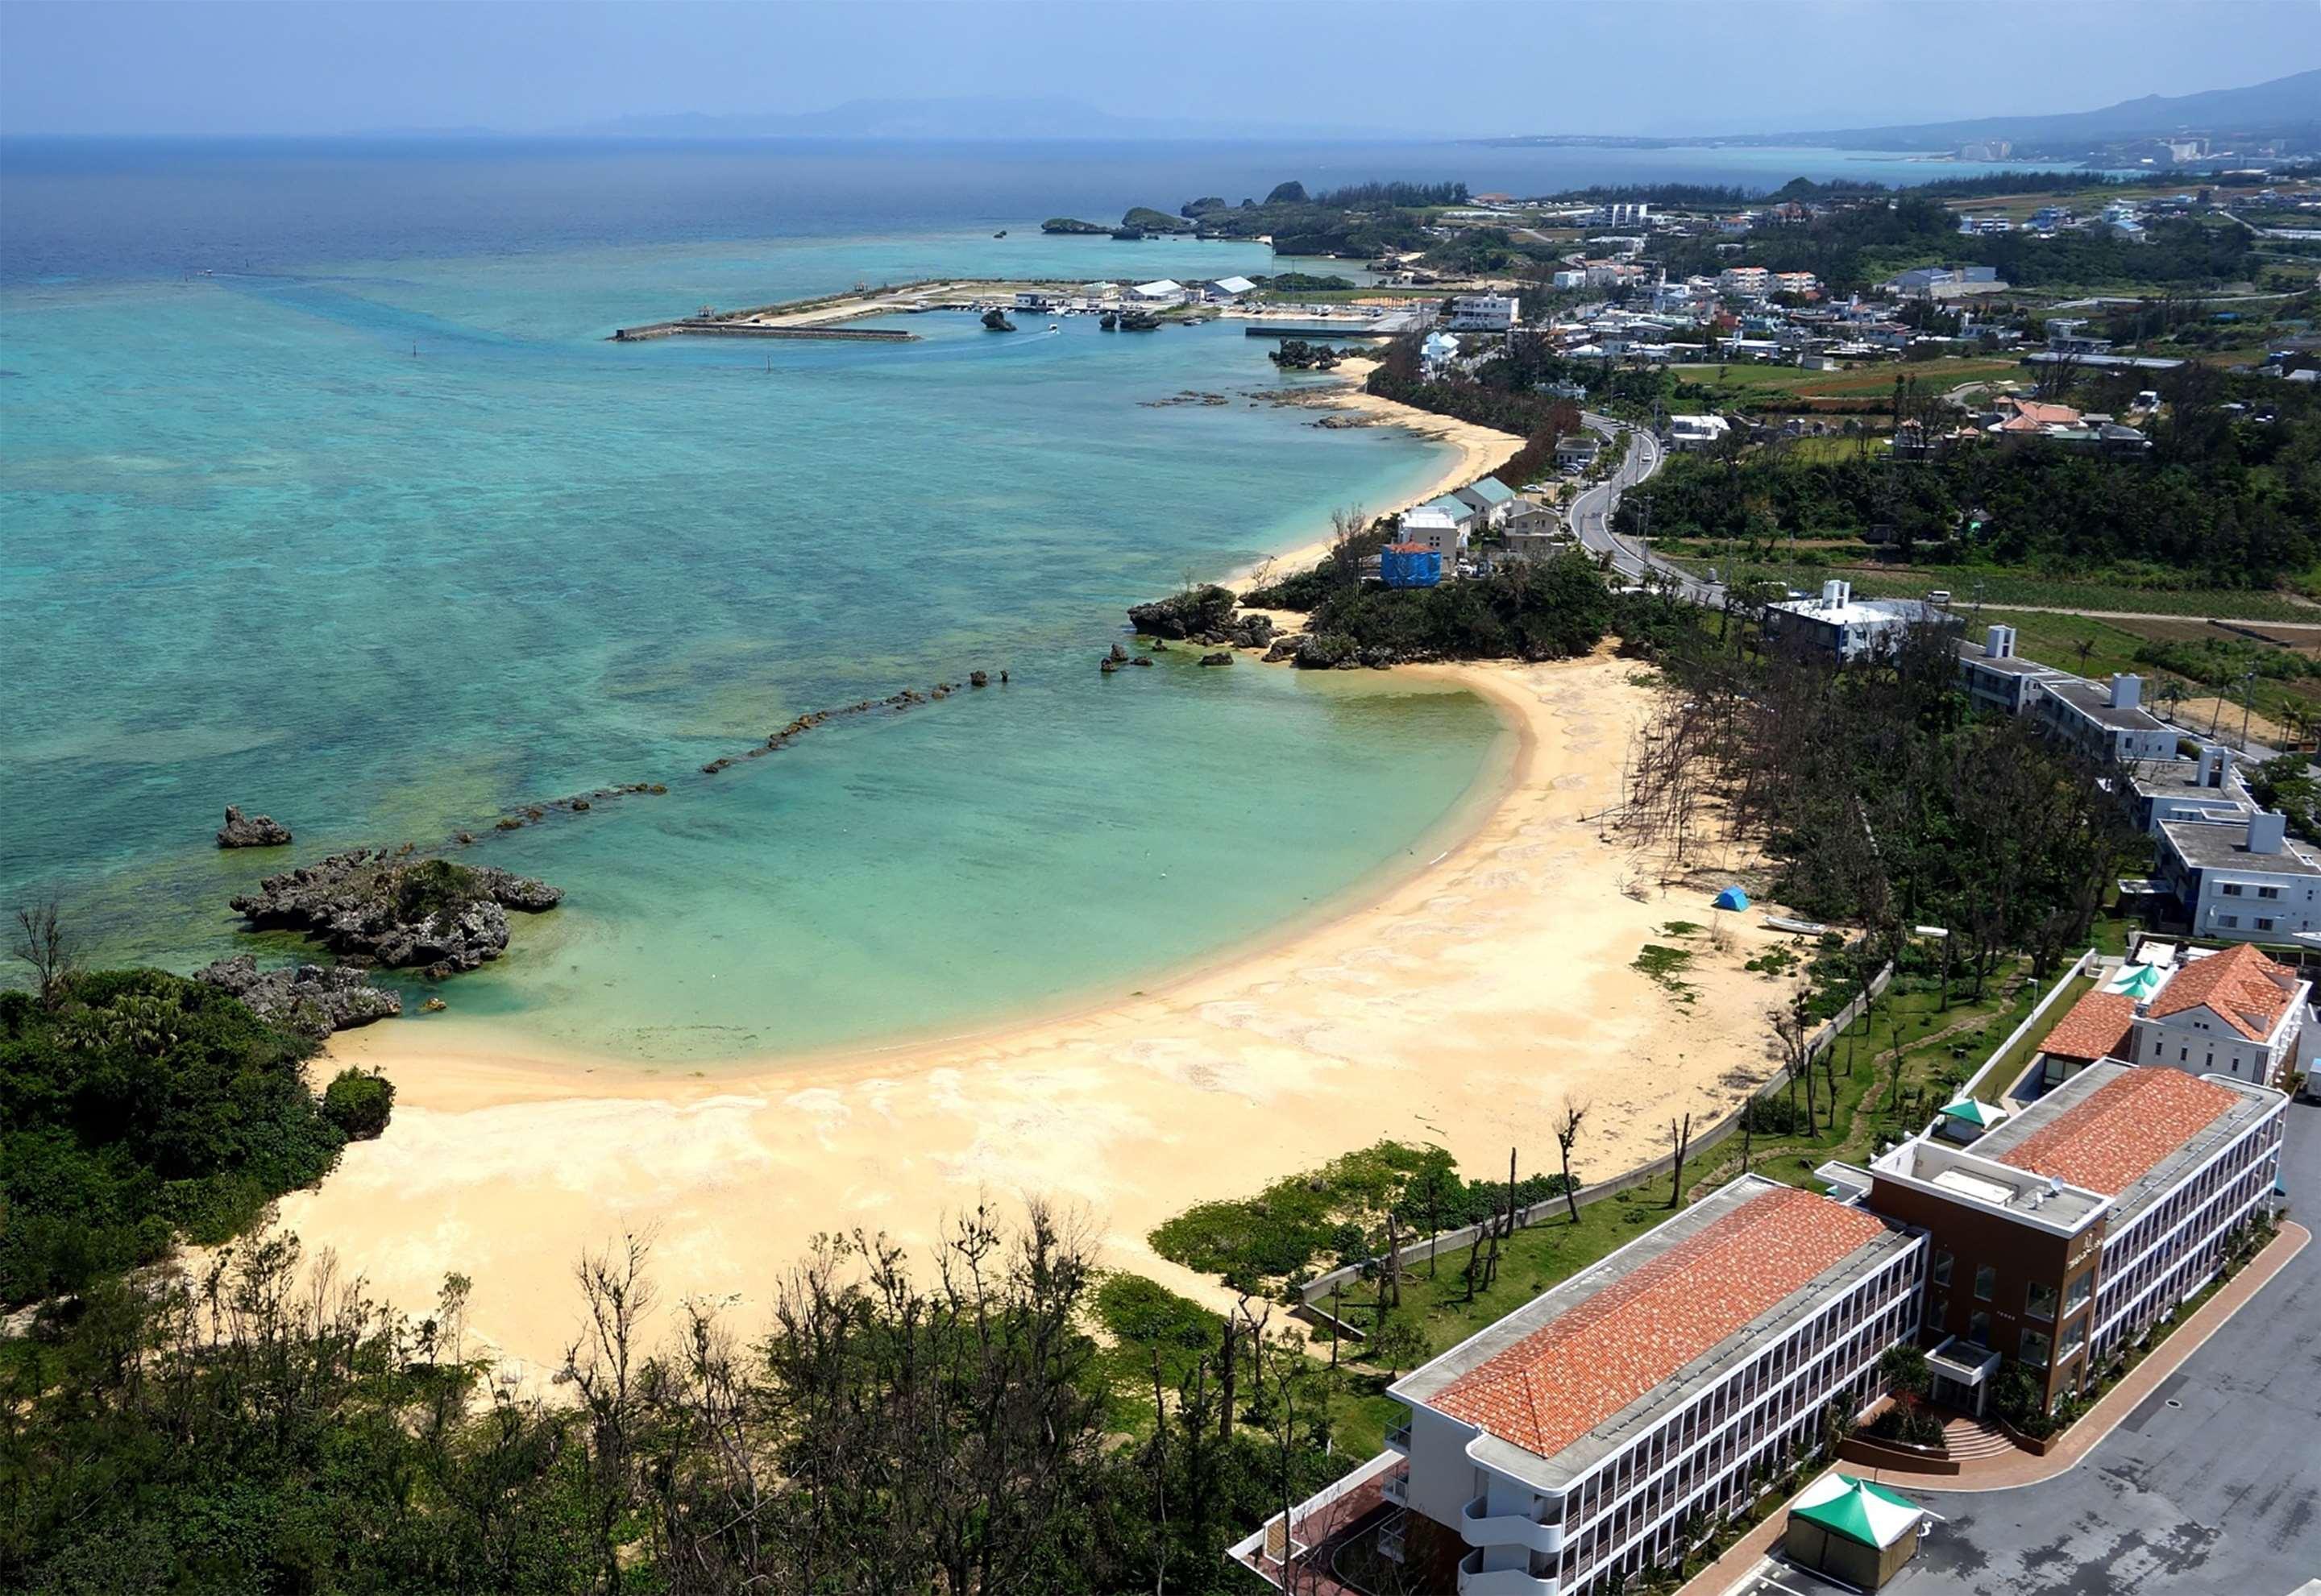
(1749, 383)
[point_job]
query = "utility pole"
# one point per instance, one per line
(2248, 698)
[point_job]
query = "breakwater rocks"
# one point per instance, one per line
(241, 830)
(398, 910)
(893, 703)
(313, 1000)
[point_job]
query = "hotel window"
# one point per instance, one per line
(1978, 1329)
(1986, 1282)
(2263, 924)
(2075, 1336)
(1942, 1268)
(2039, 1301)
(2231, 889)
(2034, 1347)
(2268, 892)
(2231, 921)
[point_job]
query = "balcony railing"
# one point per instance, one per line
(1398, 1440)
(1396, 1487)
(1478, 1528)
(1475, 1581)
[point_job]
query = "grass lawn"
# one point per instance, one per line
(1749, 383)
(2009, 1069)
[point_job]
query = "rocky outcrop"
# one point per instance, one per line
(244, 831)
(1221, 657)
(1186, 614)
(313, 1000)
(398, 911)
(1245, 631)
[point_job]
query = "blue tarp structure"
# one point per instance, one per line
(1731, 897)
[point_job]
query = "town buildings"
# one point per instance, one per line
(2105, 723)
(1436, 530)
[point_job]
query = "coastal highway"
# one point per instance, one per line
(1591, 511)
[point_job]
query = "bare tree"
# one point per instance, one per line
(1566, 1137)
(602, 1365)
(42, 941)
(1681, 1140)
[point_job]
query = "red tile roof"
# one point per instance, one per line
(2121, 1130)
(2094, 1028)
(1604, 1352)
(2248, 990)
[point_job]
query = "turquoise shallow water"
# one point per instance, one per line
(255, 549)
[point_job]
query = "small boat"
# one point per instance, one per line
(1000, 234)
(995, 320)
(1055, 326)
(1108, 322)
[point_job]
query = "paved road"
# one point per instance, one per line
(1591, 511)
(2212, 1487)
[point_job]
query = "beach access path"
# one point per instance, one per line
(1456, 1004)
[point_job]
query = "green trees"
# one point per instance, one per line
(140, 1105)
(359, 1101)
(1552, 609)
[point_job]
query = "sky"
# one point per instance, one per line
(1441, 68)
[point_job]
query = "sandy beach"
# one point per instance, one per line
(1458, 1006)
(1481, 450)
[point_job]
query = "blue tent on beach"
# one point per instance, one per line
(1731, 897)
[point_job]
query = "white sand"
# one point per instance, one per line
(1458, 1006)
(1481, 451)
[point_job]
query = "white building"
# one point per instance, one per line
(1995, 678)
(1567, 1446)
(1688, 433)
(2104, 723)
(1491, 500)
(1484, 313)
(2235, 1013)
(1231, 288)
(1165, 292)
(2241, 881)
(1843, 628)
(1568, 280)
(1431, 526)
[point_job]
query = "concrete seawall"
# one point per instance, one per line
(698, 329)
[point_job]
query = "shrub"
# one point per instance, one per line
(435, 887)
(358, 1103)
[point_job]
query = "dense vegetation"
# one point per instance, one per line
(267, 1427)
(1336, 1214)
(1882, 801)
(1552, 609)
(134, 1107)
(2222, 497)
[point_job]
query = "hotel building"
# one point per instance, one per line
(1599, 1430)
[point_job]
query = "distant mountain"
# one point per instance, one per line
(983, 117)
(2283, 106)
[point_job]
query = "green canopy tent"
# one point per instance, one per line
(1852, 1530)
(1966, 1120)
(2137, 981)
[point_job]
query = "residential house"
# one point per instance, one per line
(1491, 500)
(1577, 452)
(1691, 433)
(2241, 881)
(1432, 527)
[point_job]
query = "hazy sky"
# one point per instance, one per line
(1449, 67)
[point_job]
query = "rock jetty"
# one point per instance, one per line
(244, 831)
(398, 911)
(313, 1000)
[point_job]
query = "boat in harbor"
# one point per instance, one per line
(995, 320)
(1109, 322)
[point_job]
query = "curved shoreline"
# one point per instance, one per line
(1457, 1005)
(1481, 451)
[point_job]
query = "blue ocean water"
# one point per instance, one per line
(322, 492)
